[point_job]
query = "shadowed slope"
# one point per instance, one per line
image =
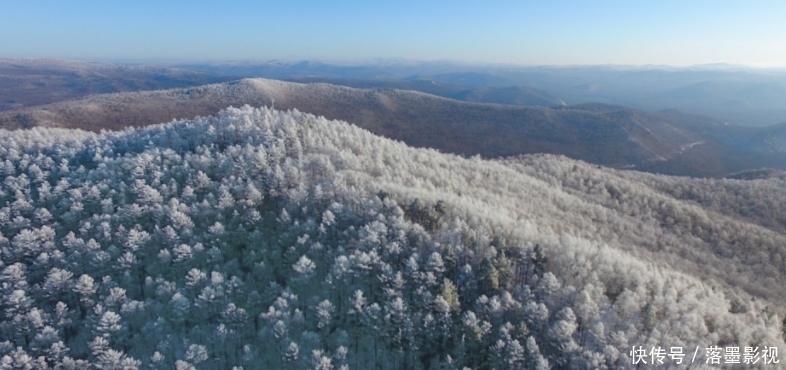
(512, 95)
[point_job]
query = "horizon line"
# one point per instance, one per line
(380, 62)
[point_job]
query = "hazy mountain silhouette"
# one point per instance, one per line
(513, 95)
(743, 96)
(735, 94)
(28, 82)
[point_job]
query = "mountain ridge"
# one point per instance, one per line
(640, 139)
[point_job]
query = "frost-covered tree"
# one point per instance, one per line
(264, 239)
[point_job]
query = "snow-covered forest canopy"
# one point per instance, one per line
(261, 239)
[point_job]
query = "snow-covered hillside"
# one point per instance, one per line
(265, 239)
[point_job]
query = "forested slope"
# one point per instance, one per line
(601, 134)
(268, 239)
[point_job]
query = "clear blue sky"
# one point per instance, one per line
(519, 32)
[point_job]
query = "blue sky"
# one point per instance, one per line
(515, 32)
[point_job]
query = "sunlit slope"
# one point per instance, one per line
(182, 243)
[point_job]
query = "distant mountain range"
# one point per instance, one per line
(29, 82)
(735, 94)
(512, 95)
(666, 142)
(738, 95)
